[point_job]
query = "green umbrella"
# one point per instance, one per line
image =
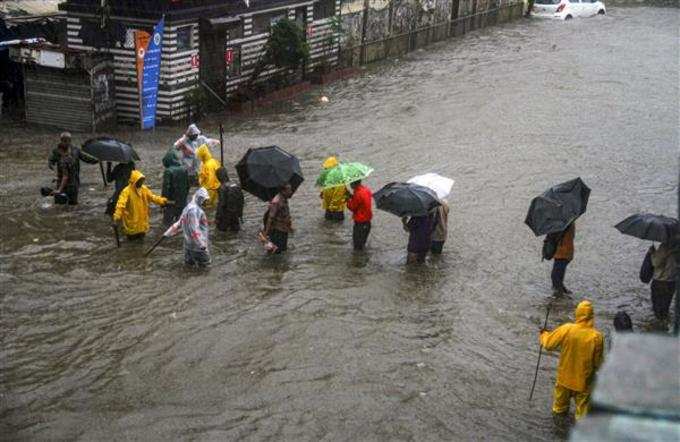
(342, 174)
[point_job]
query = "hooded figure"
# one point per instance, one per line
(175, 188)
(333, 199)
(194, 226)
(230, 203)
(186, 147)
(208, 177)
(581, 349)
(132, 207)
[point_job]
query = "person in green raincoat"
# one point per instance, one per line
(175, 188)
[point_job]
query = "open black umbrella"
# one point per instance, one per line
(557, 207)
(110, 149)
(649, 226)
(263, 170)
(406, 199)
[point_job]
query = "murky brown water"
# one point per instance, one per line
(99, 343)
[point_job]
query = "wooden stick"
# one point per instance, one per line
(540, 351)
(156, 244)
(115, 235)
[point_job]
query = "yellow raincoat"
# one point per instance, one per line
(207, 177)
(333, 199)
(581, 349)
(133, 205)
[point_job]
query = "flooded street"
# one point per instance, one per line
(102, 343)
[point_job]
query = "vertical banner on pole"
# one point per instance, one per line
(148, 49)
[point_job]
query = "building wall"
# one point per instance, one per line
(177, 76)
(388, 18)
(252, 43)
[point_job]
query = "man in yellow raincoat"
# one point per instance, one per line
(132, 208)
(581, 347)
(333, 199)
(207, 177)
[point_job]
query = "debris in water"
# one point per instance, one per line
(35, 240)
(91, 189)
(420, 364)
(173, 315)
(323, 99)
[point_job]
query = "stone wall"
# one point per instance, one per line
(389, 18)
(395, 27)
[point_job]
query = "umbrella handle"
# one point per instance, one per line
(101, 168)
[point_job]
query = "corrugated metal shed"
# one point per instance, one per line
(71, 90)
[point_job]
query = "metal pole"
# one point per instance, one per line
(676, 317)
(221, 145)
(364, 21)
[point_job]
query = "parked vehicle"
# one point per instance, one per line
(568, 9)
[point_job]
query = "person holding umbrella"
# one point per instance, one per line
(272, 174)
(663, 281)
(360, 202)
(229, 211)
(564, 254)
(277, 221)
(660, 263)
(419, 230)
(553, 213)
(333, 198)
(132, 208)
(441, 185)
(440, 230)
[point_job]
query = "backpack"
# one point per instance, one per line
(550, 244)
(647, 269)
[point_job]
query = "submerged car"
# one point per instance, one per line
(568, 9)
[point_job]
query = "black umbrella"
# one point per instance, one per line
(263, 170)
(649, 226)
(558, 207)
(406, 199)
(110, 149)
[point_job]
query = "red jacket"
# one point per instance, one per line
(361, 204)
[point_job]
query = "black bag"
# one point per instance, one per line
(647, 269)
(550, 244)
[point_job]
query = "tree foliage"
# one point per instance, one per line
(286, 48)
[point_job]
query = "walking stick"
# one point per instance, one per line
(115, 235)
(156, 244)
(221, 145)
(540, 351)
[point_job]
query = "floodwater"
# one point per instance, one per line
(102, 343)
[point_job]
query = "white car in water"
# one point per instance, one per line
(568, 9)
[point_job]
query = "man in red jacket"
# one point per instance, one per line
(360, 203)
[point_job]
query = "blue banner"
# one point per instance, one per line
(151, 70)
